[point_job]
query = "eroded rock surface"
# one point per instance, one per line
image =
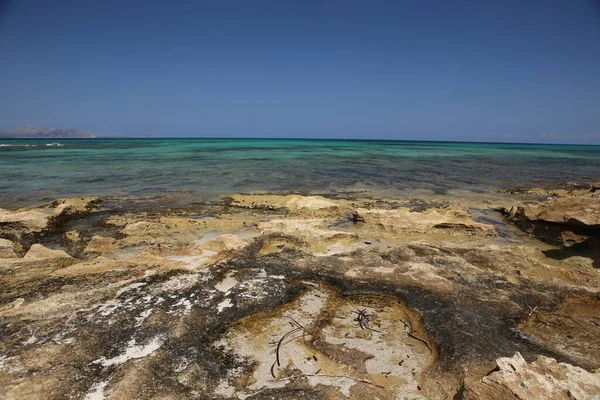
(571, 222)
(293, 203)
(30, 224)
(446, 220)
(7, 249)
(286, 296)
(542, 379)
(359, 345)
(577, 213)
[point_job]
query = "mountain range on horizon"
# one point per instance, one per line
(31, 131)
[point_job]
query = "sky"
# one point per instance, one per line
(464, 70)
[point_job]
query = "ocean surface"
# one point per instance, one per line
(36, 171)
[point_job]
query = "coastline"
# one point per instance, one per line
(339, 294)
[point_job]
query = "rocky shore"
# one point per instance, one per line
(288, 296)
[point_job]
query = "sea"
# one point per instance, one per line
(38, 171)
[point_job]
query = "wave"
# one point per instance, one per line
(31, 145)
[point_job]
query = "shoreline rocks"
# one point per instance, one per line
(198, 302)
(7, 249)
(29, 225)
(542, 379)
(452, 220)
(573, 223)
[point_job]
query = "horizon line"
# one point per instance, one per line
(155, 137)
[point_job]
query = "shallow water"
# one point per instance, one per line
(33, 171)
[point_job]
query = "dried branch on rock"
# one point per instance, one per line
(297, 328)
(363, 319)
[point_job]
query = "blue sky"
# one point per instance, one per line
(481, 70)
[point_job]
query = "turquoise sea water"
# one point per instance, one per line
(33, 171)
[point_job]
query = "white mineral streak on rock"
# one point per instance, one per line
(130, 287)
(392, 354)
(131, 352)
(96, 392)
(193, 262)
(225, 389)
(4, 362)
(142, 317)
(227, 284)
(224, 304)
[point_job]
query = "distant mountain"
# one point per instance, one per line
(35, 132)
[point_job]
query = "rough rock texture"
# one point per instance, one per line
(7, 249)
(304, 228)
(37, 251)
(542, 379)
(293, 203)
(571, 329)
(226, 242)
(234, 300)
(30, 224)
(385, 354)
(574, 212)
(452, 220)
(101, 244)
(563, 190)
(570, 222)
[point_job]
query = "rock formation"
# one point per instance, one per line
(289, 296)
(542, 379)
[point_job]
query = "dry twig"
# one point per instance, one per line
(363, 319)
(297, 328)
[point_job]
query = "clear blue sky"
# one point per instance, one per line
(483, 70)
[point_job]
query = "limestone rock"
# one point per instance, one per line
(304, 228)
(33, 221)
(575, 212)
(544, 378)
(570, 330)
(573, 223)
(448, 220)
(144, 228)
(581, 190)
(292, 203)
(101, 244)
(37, 251)
(76, 205)
(358, 311)
(73, 237)
(7, 249)
(224, 242)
